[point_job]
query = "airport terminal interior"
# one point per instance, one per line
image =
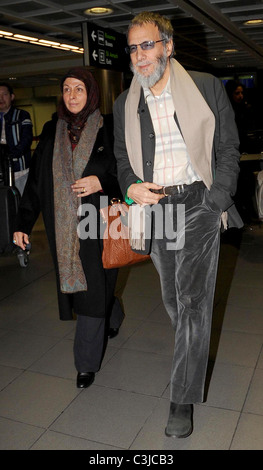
(127, 406)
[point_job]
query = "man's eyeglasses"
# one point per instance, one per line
(145, 46)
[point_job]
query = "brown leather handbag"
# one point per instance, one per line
(117, 251)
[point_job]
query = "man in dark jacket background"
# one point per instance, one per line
(15, 133)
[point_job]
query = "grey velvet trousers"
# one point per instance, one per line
(187, 266)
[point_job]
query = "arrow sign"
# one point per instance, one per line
(104, 48)
(94, 55)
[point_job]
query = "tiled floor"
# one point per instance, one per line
(128, 404)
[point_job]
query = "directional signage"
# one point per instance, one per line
(104, 48)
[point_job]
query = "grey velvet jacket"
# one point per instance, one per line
(225, 156)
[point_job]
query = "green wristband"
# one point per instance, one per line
(127, 199)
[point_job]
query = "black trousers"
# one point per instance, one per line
(187, 265)
(91, 338)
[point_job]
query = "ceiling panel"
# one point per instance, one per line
(204, 30)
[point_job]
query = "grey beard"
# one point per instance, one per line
(151, 80)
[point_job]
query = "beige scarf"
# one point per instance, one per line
(197, 124)
(68, 166)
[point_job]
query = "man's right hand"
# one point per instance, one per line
(141, 194)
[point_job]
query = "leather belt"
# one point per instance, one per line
(178, 188)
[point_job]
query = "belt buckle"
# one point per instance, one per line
(164, 191)
(180, 188)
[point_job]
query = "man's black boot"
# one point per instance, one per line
(180, 421)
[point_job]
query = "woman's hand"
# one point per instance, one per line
(141, 194)
(20, 239)
(85, 186)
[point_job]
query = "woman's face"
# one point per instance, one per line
(74, 94)
(238, 94)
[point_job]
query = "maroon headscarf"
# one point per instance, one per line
(76, 122)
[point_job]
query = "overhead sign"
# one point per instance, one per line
(104, 48)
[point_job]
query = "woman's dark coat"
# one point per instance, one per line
(38, 197)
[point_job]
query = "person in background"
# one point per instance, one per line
(74, 165)
(244, 117)
(246, 122)
(48, 125)
(176, 145)
(15, 132)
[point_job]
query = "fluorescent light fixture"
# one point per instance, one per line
(49, 43)
(6, 33)
(62, 48)
(40, 42)
(36, 43)
(27, 38)
(68, 46)
(230, 51)
(16, 39)
(253, 22)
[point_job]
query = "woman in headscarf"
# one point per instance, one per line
(72, 166)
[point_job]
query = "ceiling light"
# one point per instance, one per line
(49, 43)
(68, 46)
(229, 51)
(40, 42)
(61, 48)
(27, 38)
(253, 22)
(16, 39)
(98, 11)
(36, 43)
(6, 33)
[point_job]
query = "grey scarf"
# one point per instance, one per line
(68, 166)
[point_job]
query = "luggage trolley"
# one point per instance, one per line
(9, 201)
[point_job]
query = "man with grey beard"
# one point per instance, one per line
(177, 146)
